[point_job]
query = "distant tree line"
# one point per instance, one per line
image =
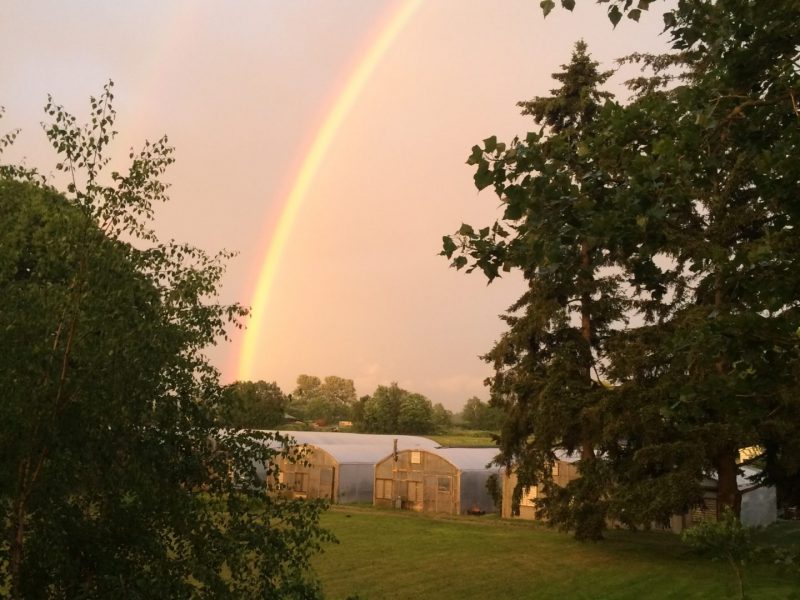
(329, 402)
(391, 409)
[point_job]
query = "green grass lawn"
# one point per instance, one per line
(388, 554)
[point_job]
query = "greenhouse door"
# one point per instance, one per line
(444, 494)
(439, 493)
(326, 478)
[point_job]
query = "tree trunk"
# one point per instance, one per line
(587, 447)
(16, 536)
(16, 527)
(30, 468)
(728, 496)
(590, 516)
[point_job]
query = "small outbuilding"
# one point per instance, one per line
(759, 505)
(439, 480)
(339, 467)
(564, 471)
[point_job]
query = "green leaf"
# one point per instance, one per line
(634, 14)
(499, 231)
(483, 176)
(448, 246)
(547, 6)
(474, 158)
(466, 230)
(661, 146)
(614, 15)
(490, 144)
(513, 212)
(568, 4)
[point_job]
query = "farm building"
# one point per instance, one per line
(759, 506)
(564, 471)
(340, 466)
(444, 480)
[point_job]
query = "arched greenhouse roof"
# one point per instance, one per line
(469, 459)
(323, 439)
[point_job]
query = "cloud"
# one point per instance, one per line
(467, 384)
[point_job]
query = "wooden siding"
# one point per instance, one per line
(568, 472)
(563, 473)
(315, 477)
(418, 480)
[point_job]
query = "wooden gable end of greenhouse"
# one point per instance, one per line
(339, 467)
(441, 480)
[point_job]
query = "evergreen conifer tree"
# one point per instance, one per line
(556, 229)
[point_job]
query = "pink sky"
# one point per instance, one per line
(242, 87)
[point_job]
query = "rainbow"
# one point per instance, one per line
(336, 116)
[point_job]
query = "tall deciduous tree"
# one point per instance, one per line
(382, 409)
(477, 414)
(253, 405)
(115, 479)
(339, 394)
(391, 409)
(705, 162)
(717, 156)
(416, 415)
(555, 229)
(329, 400)
(442, 418)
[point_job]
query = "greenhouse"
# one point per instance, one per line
(440, 480)
(340, 467)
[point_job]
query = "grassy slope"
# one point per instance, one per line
(385, 554)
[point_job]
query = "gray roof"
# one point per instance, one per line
(564, 456)
(468, 459)
(744, 480)
(358, 448)
(323, 439)
(371, 448)
(356, 454)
